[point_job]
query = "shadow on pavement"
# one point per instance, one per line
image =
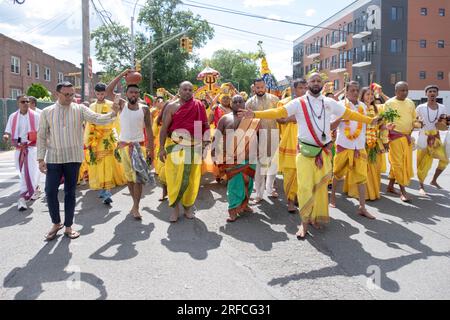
(49, 267)
(189, 236)
(126, 234)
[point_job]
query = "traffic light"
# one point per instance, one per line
(189, 47)
(138, 66)
(184, 43)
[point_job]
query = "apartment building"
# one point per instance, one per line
(22, 64)
(382, 41)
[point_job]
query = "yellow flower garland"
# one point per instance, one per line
(347, 131)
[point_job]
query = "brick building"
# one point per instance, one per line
(22, 64)
(383, 41)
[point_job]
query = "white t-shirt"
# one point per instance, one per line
(429, 116)
(322, 125)
(342, 140)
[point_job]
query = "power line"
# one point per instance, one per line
(248, 32)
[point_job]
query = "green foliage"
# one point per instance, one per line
(162, 19)
(389, 115)
(235, 66)
(38, 91)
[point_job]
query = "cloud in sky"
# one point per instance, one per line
(266, 3)
(310, 12)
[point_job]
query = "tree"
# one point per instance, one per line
(161, 19)
(38, 91)
(235, 66)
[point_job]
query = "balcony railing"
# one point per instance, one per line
(362, 59)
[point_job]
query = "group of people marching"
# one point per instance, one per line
(312, 137)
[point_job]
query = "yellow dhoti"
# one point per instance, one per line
(313, 188)
(348, 164)
(183, 169)
(373, 184)
(400, 158)
(425, 157)
(287, 154)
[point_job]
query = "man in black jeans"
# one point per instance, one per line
(60, 143)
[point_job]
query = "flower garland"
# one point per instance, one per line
(347, 131)
(372, 130)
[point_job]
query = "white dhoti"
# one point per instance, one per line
(28, 171)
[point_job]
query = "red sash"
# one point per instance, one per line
(32, 134)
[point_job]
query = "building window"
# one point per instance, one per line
(336, 84)
(15, 65)
(423, 75)
(47, 74)
(374, 47)
(36, 71)
(423, 11)
(60, 77)
(396, 46)
(440, 75)
(327, 40)
(15, 93)
(396, 13)
(423, 43)
(442, 12)
(396, 77)
(441, 44)
(29, 69)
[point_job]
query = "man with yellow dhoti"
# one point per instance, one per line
(237, 136)
(287, 152)
(350, 161)
(400, 142)
(184, 132)
(313, 113)
(431, 114)
(376, 146)
(104, 171)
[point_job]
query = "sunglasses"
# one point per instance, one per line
(23, 102)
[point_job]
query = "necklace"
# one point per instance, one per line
(428, 114)
(347, 131)
(322, 113)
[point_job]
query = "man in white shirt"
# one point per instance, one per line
(350, 161)
(313, 113)
(430, 114)
(21, 130)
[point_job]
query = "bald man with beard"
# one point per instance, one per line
(184, 133)
(313, 114)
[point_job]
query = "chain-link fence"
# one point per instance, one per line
(8, 107)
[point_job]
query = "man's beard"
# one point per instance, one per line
(260, 94)
(132, 100)
(315, 91)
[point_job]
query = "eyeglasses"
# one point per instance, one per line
(23, 102)
(67, 95)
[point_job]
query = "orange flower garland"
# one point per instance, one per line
(347, 131)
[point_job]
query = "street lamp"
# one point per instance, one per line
(133, 46)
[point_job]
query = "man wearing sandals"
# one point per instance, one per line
(60, 152)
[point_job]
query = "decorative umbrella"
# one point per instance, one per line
(209, 77)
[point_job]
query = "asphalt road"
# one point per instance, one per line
(406, 250)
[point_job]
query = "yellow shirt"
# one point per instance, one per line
(407, 112)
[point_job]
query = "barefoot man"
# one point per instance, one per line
(234, 159)
(400, 144)
(313, 113)
(134, 118)
(431, 113)
(183, 135)
(351, 158)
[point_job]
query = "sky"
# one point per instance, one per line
(55, 26)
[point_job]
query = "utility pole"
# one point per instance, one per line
(85, 81)
(151, 67)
